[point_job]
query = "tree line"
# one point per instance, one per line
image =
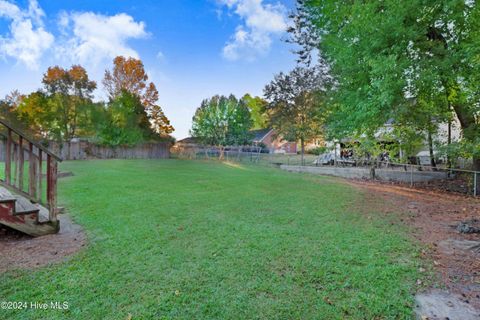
(64, 108)
(227, 120)
(293, 105)
(414, 65)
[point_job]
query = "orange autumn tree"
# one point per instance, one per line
(128, 74)
(60, 110)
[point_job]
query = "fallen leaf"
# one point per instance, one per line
(327, 300)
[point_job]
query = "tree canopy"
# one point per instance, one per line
(397, 60)
(63, 108)
(257, 107)
(295, 103)
(128, 74)
(222, 121)
(124, 122)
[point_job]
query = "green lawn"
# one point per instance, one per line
(177, 239)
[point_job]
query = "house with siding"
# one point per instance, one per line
(272, 141)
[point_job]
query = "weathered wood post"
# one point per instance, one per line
(32, 172)
(52, 187)
(20, 163)
(40, 191)
(14, 176)
(8, 157)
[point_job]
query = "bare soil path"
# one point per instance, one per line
(21, 251)
(434, 216)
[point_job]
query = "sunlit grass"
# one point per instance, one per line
(174, 239)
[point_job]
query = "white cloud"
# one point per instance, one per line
(94, 38)
(63, 22)
(9, 10)
(27, 39)
(35, 12)
(81, 37)
(261, 22)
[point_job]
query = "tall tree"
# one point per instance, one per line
(128, 74)
(59, 110)
(295, 103)
(257, 107)
(222, 121)
(159, 121)
(386, 53)
(68, 91)
(124, 122)
(35, 111)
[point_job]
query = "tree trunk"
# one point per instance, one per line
(221, 156)
(302, 143)
(430, 149)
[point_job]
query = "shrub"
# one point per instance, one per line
(317, 151)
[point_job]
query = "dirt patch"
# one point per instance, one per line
(461, 183)
(21, 251)
(435, 216)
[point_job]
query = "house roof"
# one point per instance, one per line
(260, 134)
(189, 140)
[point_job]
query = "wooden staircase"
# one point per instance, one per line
(27, 202)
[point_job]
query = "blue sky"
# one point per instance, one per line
(191, 49)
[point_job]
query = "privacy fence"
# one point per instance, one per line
(461, 181)
(82, 150)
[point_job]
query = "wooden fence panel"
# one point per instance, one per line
(81, 150)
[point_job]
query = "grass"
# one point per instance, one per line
(261, 158)
(177, 239)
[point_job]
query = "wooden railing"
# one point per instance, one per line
(21, 153)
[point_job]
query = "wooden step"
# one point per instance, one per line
(19, 213)
(33, 228)
(5, 195)
(24, 206)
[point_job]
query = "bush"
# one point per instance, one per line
(317, 151)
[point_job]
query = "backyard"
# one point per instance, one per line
(196, 239)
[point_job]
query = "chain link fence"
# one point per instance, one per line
(440, 178)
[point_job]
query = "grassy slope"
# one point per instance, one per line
(180, 239)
